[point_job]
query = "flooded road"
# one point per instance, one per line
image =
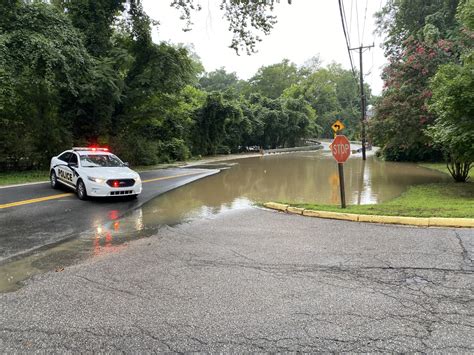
(295, 177)
(299, 177)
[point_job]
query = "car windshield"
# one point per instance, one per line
(100, 160)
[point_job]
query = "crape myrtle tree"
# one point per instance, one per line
(420, 36)
(402, 114)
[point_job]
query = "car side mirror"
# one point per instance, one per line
(126, 164)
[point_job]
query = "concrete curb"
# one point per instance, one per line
(409, 221)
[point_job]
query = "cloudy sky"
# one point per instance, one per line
(304, 29)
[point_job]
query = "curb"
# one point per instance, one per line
(410, 221)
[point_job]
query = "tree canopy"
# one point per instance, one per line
(427, 83)
(87, 72)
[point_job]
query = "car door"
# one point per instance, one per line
(73, 166)
(63, 172)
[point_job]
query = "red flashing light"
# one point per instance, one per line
(116, 183)
(95, 148)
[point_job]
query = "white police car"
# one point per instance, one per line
(94, 172)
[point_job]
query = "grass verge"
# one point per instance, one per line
(443, 168)
(449, 199)
(21, 177)
(430, 200)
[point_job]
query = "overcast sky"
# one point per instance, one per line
(304, 29)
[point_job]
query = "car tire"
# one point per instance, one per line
(53, 180)
(81, 190)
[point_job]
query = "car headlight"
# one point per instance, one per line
(97, 180)
(138, 180)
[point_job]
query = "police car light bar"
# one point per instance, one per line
(94, 149)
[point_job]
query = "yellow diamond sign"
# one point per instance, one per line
(337, 126)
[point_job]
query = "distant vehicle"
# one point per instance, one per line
(94, 172)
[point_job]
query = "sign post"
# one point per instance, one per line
(341, 150)
(341, 184)
(337, 126)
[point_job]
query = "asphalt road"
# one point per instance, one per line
(254, 280)
(28, 222)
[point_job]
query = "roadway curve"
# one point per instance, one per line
(34, 216)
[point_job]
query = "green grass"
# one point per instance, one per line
(430, 200)
(20, 177)
(442, 167)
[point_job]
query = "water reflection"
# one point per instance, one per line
(106, 238)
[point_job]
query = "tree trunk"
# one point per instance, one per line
(459, 171)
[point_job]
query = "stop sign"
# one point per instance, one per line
(341, 148)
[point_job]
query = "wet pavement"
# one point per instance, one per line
(248, 279)
(37, 225)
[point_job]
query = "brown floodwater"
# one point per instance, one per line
(293, 177)
(296, 177)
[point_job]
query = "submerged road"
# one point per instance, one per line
(34, 216)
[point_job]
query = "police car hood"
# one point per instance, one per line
(111, 173)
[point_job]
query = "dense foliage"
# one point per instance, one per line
(453, 102)
(87, 72)
(425, 111)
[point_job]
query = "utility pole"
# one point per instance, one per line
(362, 97)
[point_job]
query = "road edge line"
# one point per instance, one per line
(24, 184)
(401, 220)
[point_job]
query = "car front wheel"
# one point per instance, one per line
(53, 179)
(81, 190)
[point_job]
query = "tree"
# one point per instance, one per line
(272, 80)
(333, 94)
(419, 19)
(421, 36)
(402, 114)
(42, 61)
(453, 131)
(218, 80)
(453, 102)
(95, 19)
(244, 18)
(211, 121)
(301, 121)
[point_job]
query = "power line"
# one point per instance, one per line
(348, 32)
(371, 65)
(341, 11)
(350, 23)
(358, 27)
(365, 18)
